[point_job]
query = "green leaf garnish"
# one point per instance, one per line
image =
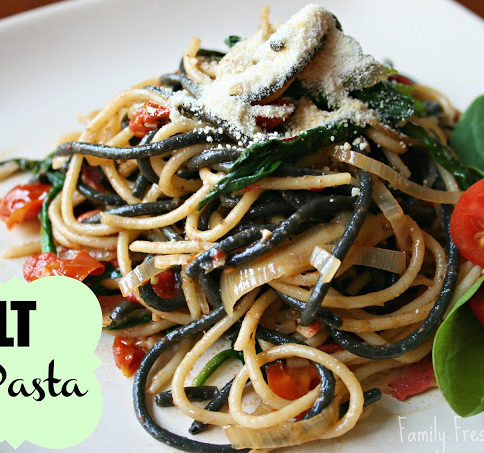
(458, 357)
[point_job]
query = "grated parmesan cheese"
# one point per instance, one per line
(308, 46)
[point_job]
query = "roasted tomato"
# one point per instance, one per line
(23, 202)
(467, 224)
(127, 355)
(291, 383)
(477, 304)
(148, 117)
(166, 285)
(92, 176)
(78, 265)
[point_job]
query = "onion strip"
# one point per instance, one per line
(394, 178)
(140, 274)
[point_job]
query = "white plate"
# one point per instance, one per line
(72, 57)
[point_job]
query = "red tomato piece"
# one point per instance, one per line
(127, 355)
(251, 188)
(132, 297)
(477, 305)
(309, 331)
(467, 224)
(88, 214)
(412, 380)
(271, 124)
(399, 78)
(23, 202)
(281, 383)
(148, 117)
(291, 383)
(92, 176)
(166, 286)
(77, 266)
(330, 348)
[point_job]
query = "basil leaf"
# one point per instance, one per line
(458, 354)
(263, 158)
(468, 137)
(465, 176)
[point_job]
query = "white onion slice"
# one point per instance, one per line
(393, 212)
(166, 261)
(384, 259)
(395, 178)
(284, 260)
(284, 434)
(140, 274)
(325, 263)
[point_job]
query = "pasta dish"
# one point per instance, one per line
(289, 198)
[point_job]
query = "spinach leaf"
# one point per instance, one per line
(465, 176)
(468, 137)
(263, 158)
(231, 40)
(296, 91)
(393, 101)
(458, 357)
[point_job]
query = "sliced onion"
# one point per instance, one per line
(284, 260)
(395, 178)
(393, 212)
(387, 260)
(384, 259)
(325, 263)
(166, 261)
(285, 434)
(140, 274)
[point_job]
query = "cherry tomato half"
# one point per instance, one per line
(79, 265)
(467, 224)
(23, 202)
